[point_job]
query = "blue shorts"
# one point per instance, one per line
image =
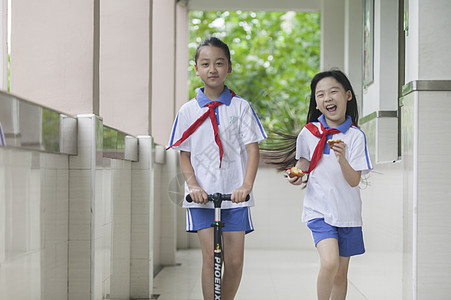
(350, 239)
(234, 219)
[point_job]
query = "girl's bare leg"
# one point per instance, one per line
(233, 263)
(341, 280)
(329, 259)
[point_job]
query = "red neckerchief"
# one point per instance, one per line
(209, 113)
(320, 146)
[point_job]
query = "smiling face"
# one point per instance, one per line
(213, 66)
(331, 100)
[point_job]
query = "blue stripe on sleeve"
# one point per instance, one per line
(173, 130)
(367, 155)
(2, 137)
(259, 124)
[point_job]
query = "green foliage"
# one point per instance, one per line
(50, 130)
(274, 56)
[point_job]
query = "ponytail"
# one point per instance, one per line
(281, 152)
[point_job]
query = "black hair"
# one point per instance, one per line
(351, 107)
(282, 148)
(213, 41)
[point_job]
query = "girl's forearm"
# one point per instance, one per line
(302, 164)
(197, 193)
(253, 157)
(352, 176)
(187, 169)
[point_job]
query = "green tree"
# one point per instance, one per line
(274, 56)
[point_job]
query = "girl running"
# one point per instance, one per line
(332, 204)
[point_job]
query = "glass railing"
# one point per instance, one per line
(30, 126)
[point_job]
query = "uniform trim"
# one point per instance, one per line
(258, 121)
(367, 154)
(173, 130)
(189, 220)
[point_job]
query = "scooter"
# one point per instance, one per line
(217, 199)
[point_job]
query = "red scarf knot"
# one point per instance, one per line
(320, 146)
(209, 113)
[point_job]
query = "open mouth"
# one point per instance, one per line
(331, 108)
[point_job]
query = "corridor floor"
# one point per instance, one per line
(268, 275)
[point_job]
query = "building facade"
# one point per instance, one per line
(89, 197)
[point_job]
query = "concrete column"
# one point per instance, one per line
(168, 209)
(142, 245)
(4, 45)
(181, 56)
(163, 70)
(353, 64)
(82, 209)
(125, 28)
(380, 96)
(332, 50)
(425, 117)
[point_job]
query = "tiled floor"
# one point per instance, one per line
(268, 275)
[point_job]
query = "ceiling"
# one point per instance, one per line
(256, 5)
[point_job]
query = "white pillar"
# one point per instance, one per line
(353, 63)
(82, 210)
(332, 50)
(425, 117)
(125, 64)
(4, 45)
(163, 70)
(142, 238)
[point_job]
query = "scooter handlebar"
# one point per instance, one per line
(212, 197)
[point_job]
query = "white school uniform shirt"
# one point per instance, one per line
(328, 195)
(238, 125)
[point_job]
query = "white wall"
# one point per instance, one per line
(426, 46)
(426, 119)
(181, 57)
(124, 70)
(165, 221)
(418, 266)
(94, 60)
(277, 214)
(426, 194)
(332, 49)
(353, 46)
(382, 94)
(142, 258)
(383, 229)
(163, 70)
(52, 53)
(83, 226)
(33, 225)
(4, 45)
(380, 97)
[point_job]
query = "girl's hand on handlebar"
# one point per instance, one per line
(198, 195)
(239, 195)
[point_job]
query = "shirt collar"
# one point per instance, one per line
(343, 127)
(226, 97)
